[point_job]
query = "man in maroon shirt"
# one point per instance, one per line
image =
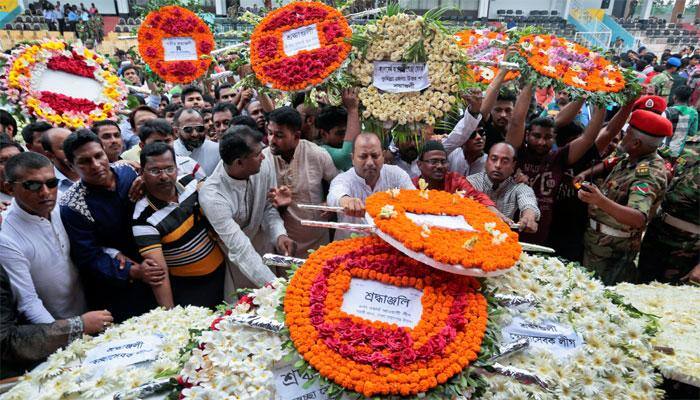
(544, 166)
(433, 164)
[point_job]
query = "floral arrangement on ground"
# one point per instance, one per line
(550, 61)
(678, 340)
(42, 100)
(400, 37)
(478, 45)
(299, 45)
(176, 24)
(65, 376)
(614, 360)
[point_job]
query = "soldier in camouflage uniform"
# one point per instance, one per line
(671, 246)
(629, 198)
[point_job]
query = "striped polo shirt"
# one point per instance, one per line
(179, 229)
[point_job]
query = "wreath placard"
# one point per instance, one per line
(63, 84)
(176, 44)
(299, 45)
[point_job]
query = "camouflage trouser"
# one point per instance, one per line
(610, 258)
(667, 253)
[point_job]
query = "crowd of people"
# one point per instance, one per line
(87, 23)
(175, 203)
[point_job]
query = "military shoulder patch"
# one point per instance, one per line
(642, 188)
(642, 170)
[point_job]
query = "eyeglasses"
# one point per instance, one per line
(158, 171)
(35, 186)
(189, 129)
(436, 161)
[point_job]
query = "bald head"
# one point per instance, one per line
(52, 139)
(367, 157)
(500, 164)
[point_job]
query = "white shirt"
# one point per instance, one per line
(35, 252)
(206, 155)
(459, 135)
(350, 184)
(459, 164)
(238, 211)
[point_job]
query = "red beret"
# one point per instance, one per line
(651, 123)
(650, 103)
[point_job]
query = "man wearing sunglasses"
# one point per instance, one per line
(470, 158)
(193, 142)
(35, 249)
(96, 213)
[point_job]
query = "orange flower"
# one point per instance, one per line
(175, 22)
(473, 42)
(305, 68)
(480, 249)
(374, 357)
(571, 63)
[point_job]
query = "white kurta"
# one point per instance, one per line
(247, 224)
(304, 175)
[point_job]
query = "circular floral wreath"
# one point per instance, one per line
(477, 45)
(24, 73)
(305, 67)
(408, 38)
(175, 22)
(491, 248)
(374, 357)
(553, 61)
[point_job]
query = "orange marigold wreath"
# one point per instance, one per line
(571, 63)
(175, 22)
(477, 45)
(374, 357)
(308, 63)
(493, 246)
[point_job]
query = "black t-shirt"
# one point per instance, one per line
(493, 134)
(545, 177)
(570, 214)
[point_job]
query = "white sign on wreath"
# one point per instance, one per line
(179, 49)
(304, 38)
(376, 301)
(560, 340)
(400, 77)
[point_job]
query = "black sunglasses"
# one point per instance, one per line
(189, 129)
(35, 186)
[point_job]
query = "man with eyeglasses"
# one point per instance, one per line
(222, 113)
(170, 229)
(432, 162)
(192, 140)
(96, 213)
(35, 250)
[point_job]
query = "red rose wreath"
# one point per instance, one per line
(160, 29)
(299, 45)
